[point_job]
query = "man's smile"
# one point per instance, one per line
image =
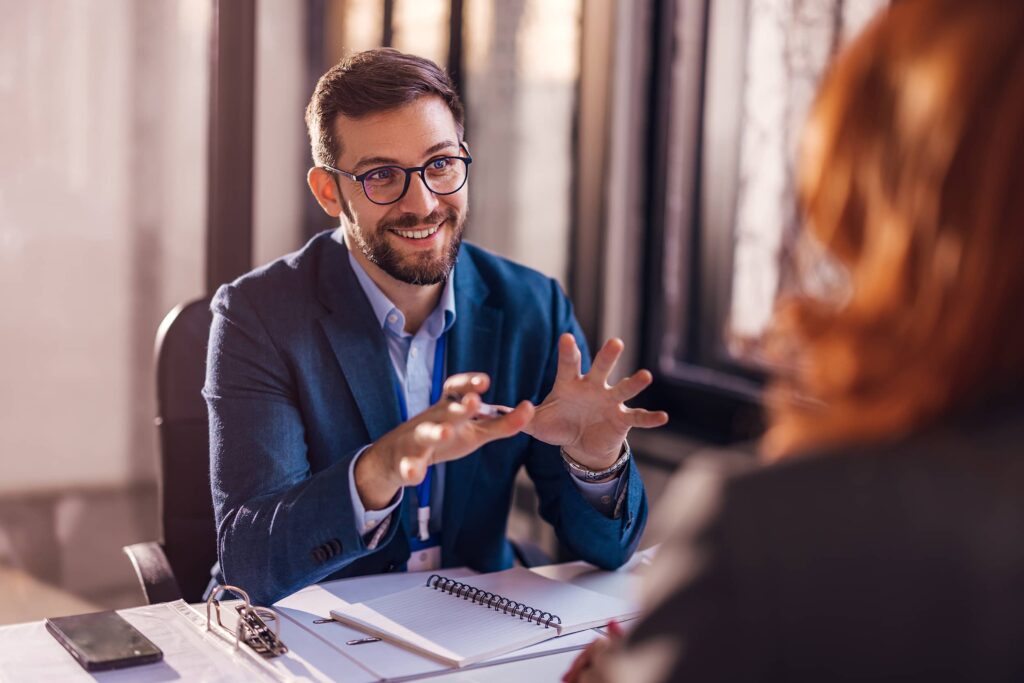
(423, 233)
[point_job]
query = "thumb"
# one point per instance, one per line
(412, 468)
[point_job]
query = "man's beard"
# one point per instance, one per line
(417, 268)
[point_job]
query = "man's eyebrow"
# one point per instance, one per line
(440, 146)
(388, 161)
(376, 161)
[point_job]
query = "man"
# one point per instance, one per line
(338, 448)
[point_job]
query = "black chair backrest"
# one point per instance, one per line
(186, 507)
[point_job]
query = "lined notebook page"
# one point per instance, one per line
(461, 632)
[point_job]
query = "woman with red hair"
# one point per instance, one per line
(885, 539)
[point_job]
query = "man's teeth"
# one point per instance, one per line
(418, 234)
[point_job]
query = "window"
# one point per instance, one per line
(730, 102)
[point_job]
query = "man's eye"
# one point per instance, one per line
(383, 175)
(440, 164)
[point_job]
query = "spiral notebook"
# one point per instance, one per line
(462, 622)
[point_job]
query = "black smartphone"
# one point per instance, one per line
(101, 641)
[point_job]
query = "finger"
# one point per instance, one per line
(468, 407)
(464, 383)
(506, 425)
(632, 386)
(615, 629)
(578, 665)
(453, 411)
(569, 358)
(585, 662)
(426, 438)
(604, 361)
(430, 434)
(464, 409)
(413, 469)
(645, 419)
(593, 672)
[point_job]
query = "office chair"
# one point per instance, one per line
(179, 567)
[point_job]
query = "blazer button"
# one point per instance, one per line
(319, 555)
(335, 546)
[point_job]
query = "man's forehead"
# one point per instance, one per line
(404, 134)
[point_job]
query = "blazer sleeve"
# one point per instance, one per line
(605, 542)
(279, 526)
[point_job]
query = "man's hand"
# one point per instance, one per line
(586, 416)
(444, 431)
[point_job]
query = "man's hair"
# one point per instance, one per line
(367, 83)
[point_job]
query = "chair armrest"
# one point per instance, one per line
(153, 571)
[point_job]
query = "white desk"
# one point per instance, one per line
(28, 652)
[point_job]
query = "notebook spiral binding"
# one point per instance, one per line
(492, 601)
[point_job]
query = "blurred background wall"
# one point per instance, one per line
(608, 139)
(102, 217)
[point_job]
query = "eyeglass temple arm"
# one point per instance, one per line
(332, 169)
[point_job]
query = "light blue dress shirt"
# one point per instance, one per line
(412, 356)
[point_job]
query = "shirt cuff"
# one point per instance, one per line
(602, 495)
(368, 520)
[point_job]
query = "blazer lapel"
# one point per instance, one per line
(474, 345)
(357, 341)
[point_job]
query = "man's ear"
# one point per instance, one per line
(324, 187)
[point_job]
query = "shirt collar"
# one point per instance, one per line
(390, 318)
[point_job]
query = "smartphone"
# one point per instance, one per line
(101, 641)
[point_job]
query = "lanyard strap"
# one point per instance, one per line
(436, 385)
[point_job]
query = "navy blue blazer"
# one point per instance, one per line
(298, 380)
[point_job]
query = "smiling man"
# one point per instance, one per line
(373, 395)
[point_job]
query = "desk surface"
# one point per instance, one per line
(26, 597)
(28, 652)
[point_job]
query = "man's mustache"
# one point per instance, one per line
(410, 220)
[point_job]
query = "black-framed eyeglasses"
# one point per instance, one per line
(388, 184)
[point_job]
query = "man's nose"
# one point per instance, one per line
(418, 199)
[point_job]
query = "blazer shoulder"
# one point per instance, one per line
(510, 284)
(286, 284)
(954, 475)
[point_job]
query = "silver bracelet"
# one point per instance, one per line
(589, 475)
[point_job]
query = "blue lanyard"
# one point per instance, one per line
(436, 385)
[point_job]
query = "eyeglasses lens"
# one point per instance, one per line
(442, 176)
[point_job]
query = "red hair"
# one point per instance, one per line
(912, 179)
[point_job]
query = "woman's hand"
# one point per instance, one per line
(587, 667)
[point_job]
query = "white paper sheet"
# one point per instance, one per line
(29, 653)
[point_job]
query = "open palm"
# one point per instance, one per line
(586, 416)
